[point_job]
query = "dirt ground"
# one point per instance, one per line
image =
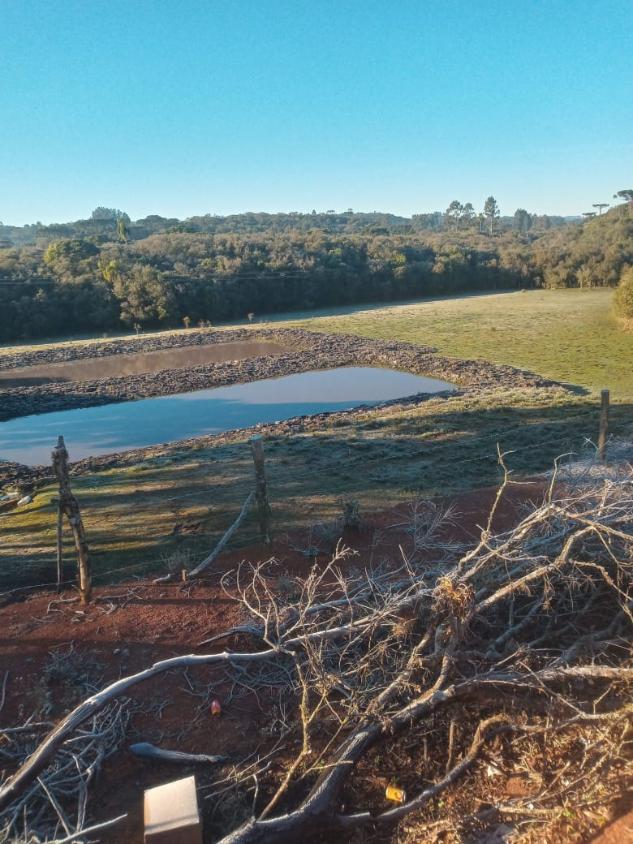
(133, 624)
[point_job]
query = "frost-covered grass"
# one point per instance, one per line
(137, 516)
(183, 499)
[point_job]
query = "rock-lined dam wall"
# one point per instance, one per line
(305, 351)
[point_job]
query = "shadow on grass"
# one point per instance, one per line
(138, 517)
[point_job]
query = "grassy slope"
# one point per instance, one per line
(568, 335)
(385, 457)
(132, 514)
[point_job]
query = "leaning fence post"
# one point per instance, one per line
(261, 491)
(70, 507)
(604, 425)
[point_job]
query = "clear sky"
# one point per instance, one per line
(182, 107)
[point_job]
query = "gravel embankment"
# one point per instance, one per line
(308, 351)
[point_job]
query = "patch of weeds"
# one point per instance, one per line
(67, 678)
(288, 586)
(327, 534)
(179, 559)
(232, 807)
(322, 538)
(350, 516)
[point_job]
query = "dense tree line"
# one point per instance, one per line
(99, 275)
(624, 297)
(104, 223)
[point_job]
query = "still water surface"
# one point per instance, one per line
(112, 366)
(115, 427)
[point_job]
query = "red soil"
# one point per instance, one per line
(143, 623)
(619, 832)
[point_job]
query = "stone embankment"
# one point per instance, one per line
(307, 351)
(122, 346)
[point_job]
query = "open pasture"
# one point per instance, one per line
(567, 335)
(175, 505)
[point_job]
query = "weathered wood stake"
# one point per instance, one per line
(604, 425)
(60, 539)
(261, 490)
(70, 507)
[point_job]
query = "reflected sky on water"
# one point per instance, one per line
(115, 427)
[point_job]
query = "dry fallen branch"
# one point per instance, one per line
(89, 830)
(41, 807)
(149, 751)
(529, 633)
(212, 557)
(208, 561)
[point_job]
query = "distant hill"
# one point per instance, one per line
(346, 222)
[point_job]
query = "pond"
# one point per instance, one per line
(93, 431)
(113, 366)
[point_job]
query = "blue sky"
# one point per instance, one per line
(182, 108)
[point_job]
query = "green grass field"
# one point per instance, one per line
(568, 335)
(135, 515)
(137, 518)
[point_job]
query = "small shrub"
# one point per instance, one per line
(287, 585)
(350, 517)
(178, 560)
(623, 300)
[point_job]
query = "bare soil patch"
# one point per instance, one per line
(134, 624)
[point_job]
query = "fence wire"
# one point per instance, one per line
(93, 511)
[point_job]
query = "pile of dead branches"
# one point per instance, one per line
(511, 659)
(54, 805)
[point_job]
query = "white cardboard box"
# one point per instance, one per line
(171, 813)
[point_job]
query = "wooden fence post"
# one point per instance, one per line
(261, 491)
(604, 425)
(60, 539)
(70, 507)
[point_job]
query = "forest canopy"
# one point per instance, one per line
(108, 272)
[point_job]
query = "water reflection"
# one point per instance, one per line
(115, 427)
(138, 363)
